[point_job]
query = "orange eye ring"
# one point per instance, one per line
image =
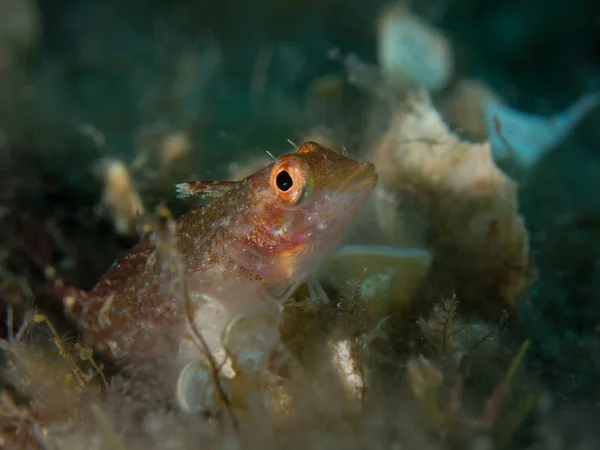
(290, 180)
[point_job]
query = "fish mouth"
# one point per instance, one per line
(362, 178)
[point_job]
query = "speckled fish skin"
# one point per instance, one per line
(253, 239)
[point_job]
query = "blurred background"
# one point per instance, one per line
(189, 89)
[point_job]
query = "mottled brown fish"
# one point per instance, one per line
(259, 238)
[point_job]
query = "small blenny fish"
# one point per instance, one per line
(260, 237)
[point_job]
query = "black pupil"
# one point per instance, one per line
(284, 180)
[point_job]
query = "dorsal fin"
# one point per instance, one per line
(212, 189)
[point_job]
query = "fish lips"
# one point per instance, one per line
(363, 178)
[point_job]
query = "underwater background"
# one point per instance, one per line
(175, 91)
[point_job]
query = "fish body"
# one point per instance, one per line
(259, 238)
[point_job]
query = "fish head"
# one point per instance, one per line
(304, 202)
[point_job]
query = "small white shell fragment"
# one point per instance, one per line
(210, 319)
(528, 137)
(196, 390)
(412, 53)
(120, 197)
(249, 340)
(348, 369)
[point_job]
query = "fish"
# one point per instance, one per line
(256, 240)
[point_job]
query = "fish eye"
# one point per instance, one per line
(284, 181)
(291, 180)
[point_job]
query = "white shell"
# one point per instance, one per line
(249, 340)
(196, 390)
(386, 272)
